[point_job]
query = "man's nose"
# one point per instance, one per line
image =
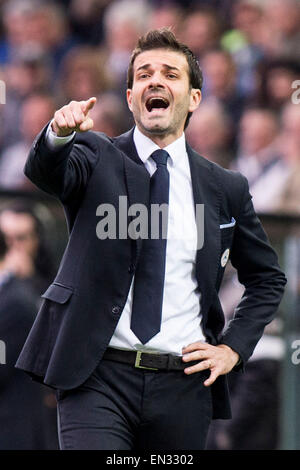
(156, 81)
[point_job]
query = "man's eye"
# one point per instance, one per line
(144, 75)
(171, 75)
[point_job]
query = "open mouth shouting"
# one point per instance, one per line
(156, 103)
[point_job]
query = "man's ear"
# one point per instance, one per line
(129, 98)
(195, 99)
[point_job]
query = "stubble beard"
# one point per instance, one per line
(163, 130)
(157, 129)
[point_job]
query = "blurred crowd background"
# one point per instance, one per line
(52, 52)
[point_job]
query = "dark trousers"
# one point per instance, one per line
(255, 401)
(123, 408)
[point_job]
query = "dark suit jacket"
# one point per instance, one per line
(83, 305)
(25, 421)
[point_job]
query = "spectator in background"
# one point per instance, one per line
(201, 31)
(276, 78)
(167, 15)
(16, 16)
(281, 35)
(86, 20)
(36, 111)
(49, 29)
(110, 115)
(242, 42)
(82, 74)
(28, 252)
(220, 82)
(289, 197)
(124, 22)
(35, 23)
(32, 23)
(28, 73)
(210, 132)
(25, 421)
(259, 157)
(257, 134)
(246, 20)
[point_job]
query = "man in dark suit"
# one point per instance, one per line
(131, 330)
(25, 422)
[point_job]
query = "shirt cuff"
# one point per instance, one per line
(52, 139)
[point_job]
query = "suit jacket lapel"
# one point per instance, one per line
(206, 191)
(136, 175)
(125, 143)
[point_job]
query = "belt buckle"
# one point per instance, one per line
(138, 360)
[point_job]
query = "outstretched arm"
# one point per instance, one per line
(63, 170)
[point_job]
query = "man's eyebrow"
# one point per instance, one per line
(143, 67)
(166, 66)
(171, 67)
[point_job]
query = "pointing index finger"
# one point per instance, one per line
(88, 105)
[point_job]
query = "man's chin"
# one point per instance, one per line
(156, 128)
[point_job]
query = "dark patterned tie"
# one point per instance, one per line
(150, 273)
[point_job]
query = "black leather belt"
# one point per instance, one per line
(146, 360)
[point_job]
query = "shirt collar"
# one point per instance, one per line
(145, 147)
(5, 277)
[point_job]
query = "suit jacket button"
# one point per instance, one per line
(115, 309)
(131, 269)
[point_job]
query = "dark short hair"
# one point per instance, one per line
(165, 39)
(3, 246)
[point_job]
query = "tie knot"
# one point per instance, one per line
(160, 157)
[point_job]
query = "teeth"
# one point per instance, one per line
(158, 99)
(150, 104)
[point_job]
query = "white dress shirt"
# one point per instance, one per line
(181, 316)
